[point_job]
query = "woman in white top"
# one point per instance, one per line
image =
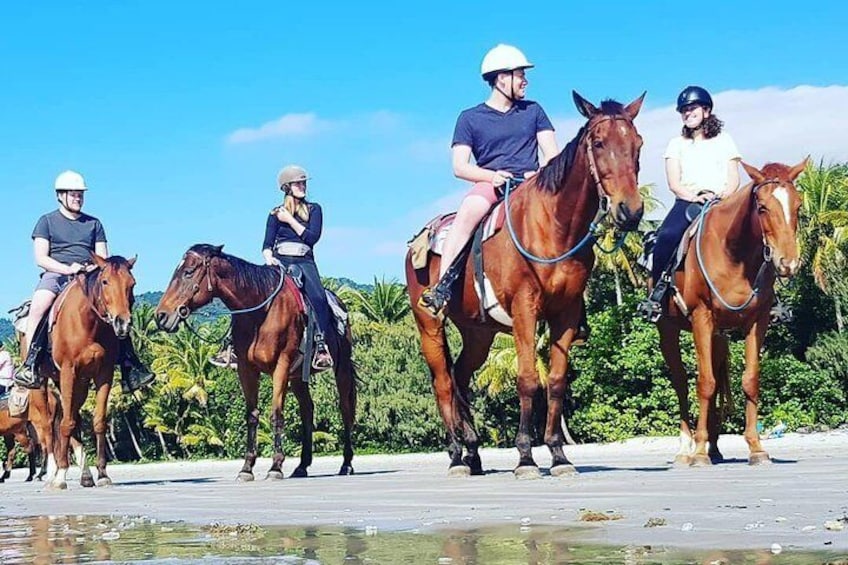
(701, 163)
(7, 370)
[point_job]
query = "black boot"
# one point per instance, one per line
(134, 375)
(651, 309)
(26, 375)
(436, 298)
(583, 329)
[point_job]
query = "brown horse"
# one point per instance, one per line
(268, 324)
(92, 314)
(551, 212)
(17, 429)
(727, 283)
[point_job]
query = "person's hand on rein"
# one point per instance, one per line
(705, 196)
(500, 177)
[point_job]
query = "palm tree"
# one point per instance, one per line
(623, 258)
(388, 303)
(824, 192)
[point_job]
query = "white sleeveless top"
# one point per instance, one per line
(703, 162)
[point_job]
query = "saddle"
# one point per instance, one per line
(431, 239)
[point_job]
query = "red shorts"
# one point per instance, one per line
(485, 189)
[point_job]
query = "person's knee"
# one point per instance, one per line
(471, 211)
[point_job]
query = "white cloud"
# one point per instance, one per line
(769, 125)
(289, 125)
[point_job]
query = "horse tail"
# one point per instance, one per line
(721, 370)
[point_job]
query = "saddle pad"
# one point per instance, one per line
(492, 223)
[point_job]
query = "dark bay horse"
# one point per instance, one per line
(550, 213)
(92, 314)
(727, 283)
(268, 323)
(17, 429)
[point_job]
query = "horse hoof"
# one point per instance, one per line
(565, 470)
(57, 486)
(87, 481)
(682, 461)
(277, 475)
(759, 458)
(527, 472)
(701, 461)
(459, 471)
(346, 470)
(244, 477)
(104, 482)
(300, 473)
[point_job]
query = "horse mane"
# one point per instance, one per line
(262, 278)
(552, 176)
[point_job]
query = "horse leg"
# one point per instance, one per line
(702, 331)
(78, 447)
(278, 399)
(475, 349)
(9, 440)
(249, 380)
(670, 347)
(23, 440)
(524, 331)
(562, 334)
(434, 346)
(722, 374)
(307, 419)
(67, 425)
(751, 388)
(101, 401)
(346, 385)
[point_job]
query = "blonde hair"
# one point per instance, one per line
(296, 208)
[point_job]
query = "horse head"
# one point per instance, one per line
(191, 286)
(778, 202)
(612, 147)
(110, 290)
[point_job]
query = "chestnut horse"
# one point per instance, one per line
(554, 211)
(267, 325)
(727, 282)
(20, 429)
(92, 314)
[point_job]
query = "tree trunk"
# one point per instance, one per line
(840, 324)
(619, 299)
(165, 451)
(136, 446)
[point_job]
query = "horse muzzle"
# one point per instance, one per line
(786, 268)
(121, 326)
(167, 321)
(626, 219)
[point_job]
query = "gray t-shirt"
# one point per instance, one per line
(70, 240)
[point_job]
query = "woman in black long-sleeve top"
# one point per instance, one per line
(291, 231)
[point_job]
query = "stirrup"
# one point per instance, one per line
(225, 358)
(433, 300)
(321, 359)
(651, 309)
(27, 377)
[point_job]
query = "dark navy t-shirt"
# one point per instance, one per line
(503, 141)
(277, 232)
(70, 240)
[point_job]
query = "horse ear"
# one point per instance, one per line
(218, 249)
(131, 262)
(97, 259)
(632, 109)
(584, 106)
(799, 168)
(753, 172)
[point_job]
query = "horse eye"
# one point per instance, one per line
(598, 144)
(762, 209)
(188, 274)
(104, 282)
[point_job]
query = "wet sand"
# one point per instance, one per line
(727, 506)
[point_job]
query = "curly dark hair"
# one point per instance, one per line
(711, 127)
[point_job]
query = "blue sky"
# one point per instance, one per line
(180, 116)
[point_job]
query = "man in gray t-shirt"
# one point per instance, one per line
(64, 240)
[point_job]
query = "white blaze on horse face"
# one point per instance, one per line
(782, 196)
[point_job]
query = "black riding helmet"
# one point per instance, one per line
(694, 95)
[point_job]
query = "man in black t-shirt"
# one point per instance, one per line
(64, 240)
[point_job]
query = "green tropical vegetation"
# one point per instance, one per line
(619, 385)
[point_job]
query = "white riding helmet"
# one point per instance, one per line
(70, 180)
(292, 173)
(504, 58)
